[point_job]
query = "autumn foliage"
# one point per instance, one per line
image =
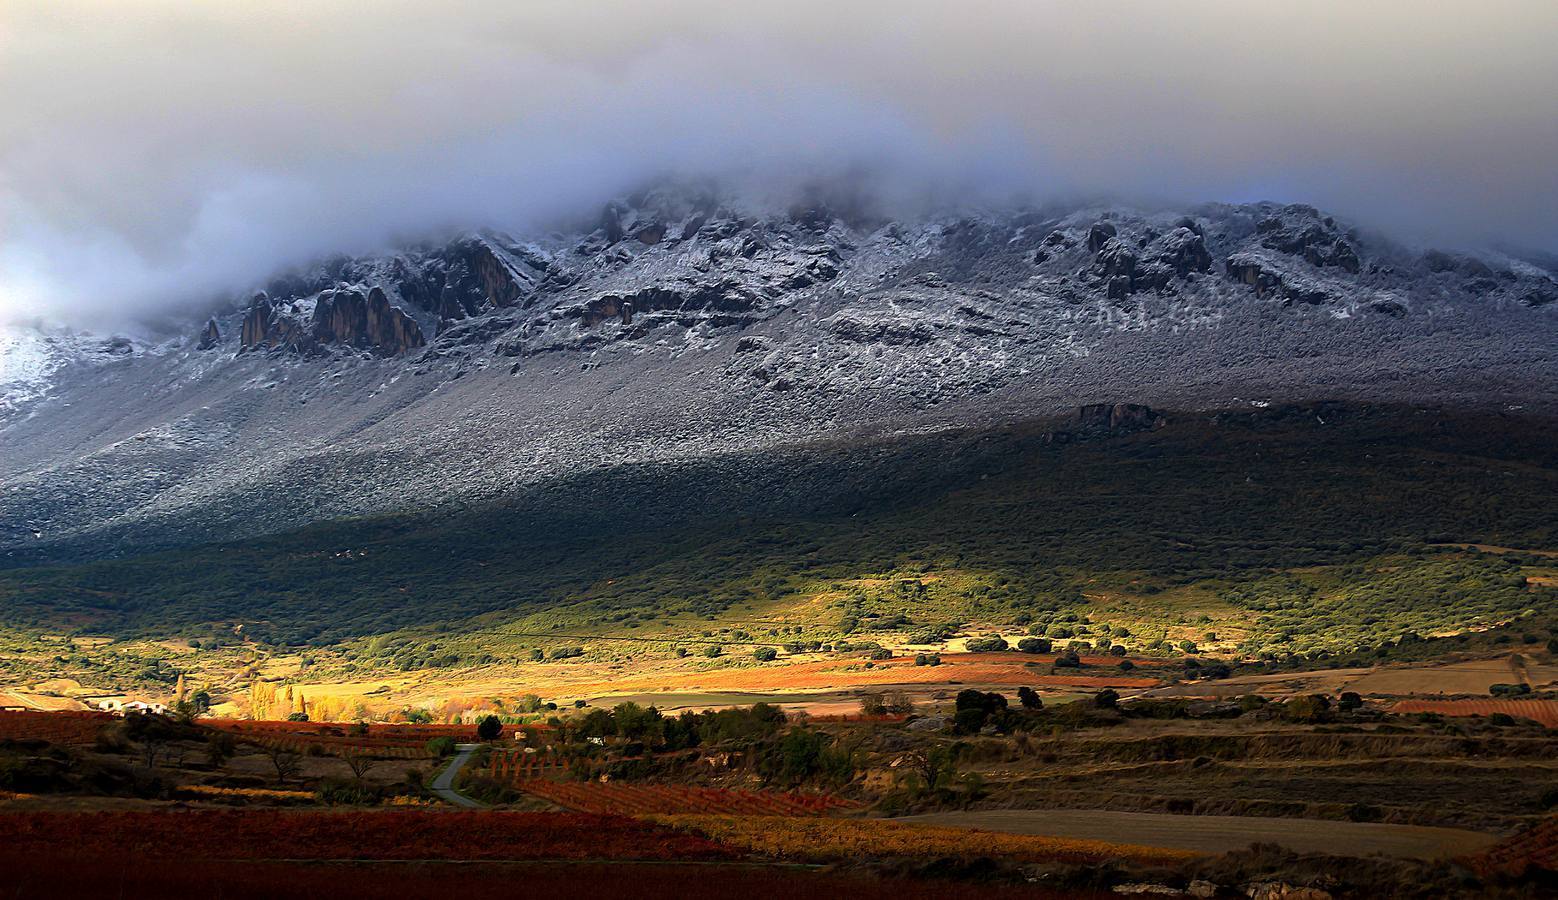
(63, 727)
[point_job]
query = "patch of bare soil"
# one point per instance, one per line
(1222, 834)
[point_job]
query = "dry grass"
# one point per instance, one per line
(824, 840)
(244, 795)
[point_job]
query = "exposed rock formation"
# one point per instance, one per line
(1271, 280)
(366, 322)
(1116, 417)
(340, 317)
(1301, 231)
(210, 336)
(256, 322)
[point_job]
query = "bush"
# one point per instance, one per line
(1029, 698)
(440, 747)
(1034, 645)
(802, 754)
(992, 644)
(1308, 708)
(1349, 700)
(1508, 690)
(765, 654)
(1106, 699)
(489, 729)
(344, 792)
(927, 659)
(969, 721)
(974, 709)
(714, 651)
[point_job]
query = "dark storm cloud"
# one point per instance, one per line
(153, 154)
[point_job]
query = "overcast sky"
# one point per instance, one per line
(154, 153)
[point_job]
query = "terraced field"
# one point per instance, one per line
(1544, 711)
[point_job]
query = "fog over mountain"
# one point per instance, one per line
(158, 155)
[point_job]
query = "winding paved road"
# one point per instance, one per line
(443, 785)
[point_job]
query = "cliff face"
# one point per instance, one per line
(340, 318)
(366, 322)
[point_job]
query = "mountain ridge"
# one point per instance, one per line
(677, 325)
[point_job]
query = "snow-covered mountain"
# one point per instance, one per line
(680, 324)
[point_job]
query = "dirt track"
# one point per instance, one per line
(1220, 834)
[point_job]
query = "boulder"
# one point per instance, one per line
(1116, 417)
(1099, 235)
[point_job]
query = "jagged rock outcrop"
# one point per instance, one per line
(1300, 230)
(367, 322)
(1153, 264)
(1099, 235)
(256, 322)
(344, 317)
(210, 336)
(1270, 280)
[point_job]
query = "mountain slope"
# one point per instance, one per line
(681, 326)
(1046, 517)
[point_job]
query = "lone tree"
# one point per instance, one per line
(489, 729)
(288, 762)
(360, 763)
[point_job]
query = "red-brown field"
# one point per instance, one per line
(52, 876)
(56, 727)
(1532, 848)
(397, 835)
(513, 766)
(1543, 711)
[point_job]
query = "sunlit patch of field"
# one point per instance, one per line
(828, 840)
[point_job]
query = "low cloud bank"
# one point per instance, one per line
(157, 155)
